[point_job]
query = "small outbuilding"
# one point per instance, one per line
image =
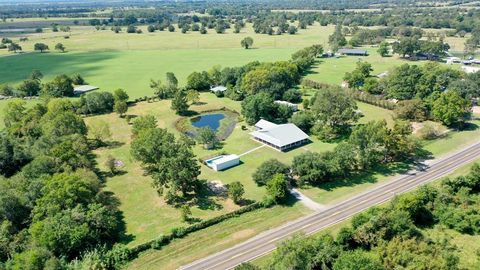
(356, 52)
(288, 104)
(281, 137)
(218, 89)
(223, 162)
(82, 89)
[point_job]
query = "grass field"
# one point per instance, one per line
(331, 70)
(216, 238)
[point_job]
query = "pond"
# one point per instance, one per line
(209, 120)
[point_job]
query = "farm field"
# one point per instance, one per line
(87, 38)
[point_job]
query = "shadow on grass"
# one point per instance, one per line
(53, 63)
(205, 199)
(110, 200)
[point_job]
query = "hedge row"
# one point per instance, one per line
(181, 232)
(371, 99)
(357, 95)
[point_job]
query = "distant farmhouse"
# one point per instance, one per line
(81, 89)
(355, 52)
(281, 137)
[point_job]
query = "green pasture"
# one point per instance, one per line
(131, 70)
(332, 70)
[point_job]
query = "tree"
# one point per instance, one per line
(407, 46)
(186, 213)
(247, 42)
(303, 120)
(180, 102)
(36, 75)
(120, 95)
(171, 28)
(199, 81)
(277, 188)
(451, 109)
(171, 163)
(14, 47)
(203, 30)
(40, 47)
(236, 191)
(120, 107)
(369, 143)
(402, 82)
(12, 156)
(110, 164)
(267, 170)
(29, 87)
(172, 81)
(359, 260)
(337, 39)
(411, 110)
(131, 29)
(60, 86)
(333, 109)
(160, 90)
(207, 137)
(100, 131)
(143, 123)
(383, 49)
(60, 47)
(257, 107)
(151, 28)
(193, 96)
(292, 30)
(301, 252)
(246, 266)
(77, 79)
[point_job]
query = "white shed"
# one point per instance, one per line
(224, 162)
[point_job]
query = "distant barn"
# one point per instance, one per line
(82, 89)
(356, 52)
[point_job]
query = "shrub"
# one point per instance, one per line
(429, 131)
(267, 170)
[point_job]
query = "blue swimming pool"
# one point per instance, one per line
(209, 120)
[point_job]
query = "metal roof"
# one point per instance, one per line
(84, 88)
(219, 88)
(264, 124)
(352, 51)
(225, 158)
(281, 135)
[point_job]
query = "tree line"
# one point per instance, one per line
(54, 209)
(393, 236)
(431, 91)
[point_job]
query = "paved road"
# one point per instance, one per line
(266, 242)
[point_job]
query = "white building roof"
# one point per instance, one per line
(219, 88)
(286, 103)
(264, 124)
(84, 88)
(225, 159)
(280, 135)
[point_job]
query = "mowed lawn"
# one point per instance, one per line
(332, 70)
(146, 214)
